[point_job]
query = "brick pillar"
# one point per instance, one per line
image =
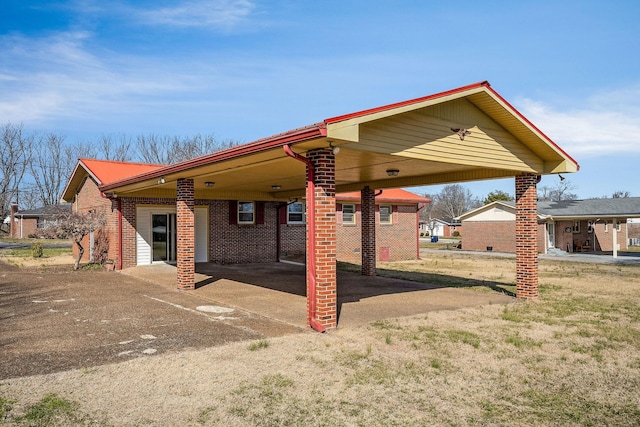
(526, 236)
(185, 248)
(368, 234)
(325, 238)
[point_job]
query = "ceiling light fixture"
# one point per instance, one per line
(393, 172)
(161, 181)
(275, 187)
(209, 184)
(335, 150)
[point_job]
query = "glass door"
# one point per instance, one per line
(164, 237)
(551, 232)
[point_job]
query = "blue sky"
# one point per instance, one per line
(246, 69)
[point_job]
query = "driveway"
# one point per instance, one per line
(277, 291)
(53, 319)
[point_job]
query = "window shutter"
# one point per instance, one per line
(259, 212)
(282, 214)
(233, 212)
(394, 215)
(338, 213)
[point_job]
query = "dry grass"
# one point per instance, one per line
(573, 358)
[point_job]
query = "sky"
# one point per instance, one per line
(247, 69)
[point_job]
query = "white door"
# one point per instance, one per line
(551, 232)
(202, 234)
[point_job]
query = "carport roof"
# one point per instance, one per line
(416, 137)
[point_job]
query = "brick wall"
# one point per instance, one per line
(23, 227)
(633, 230)
(399, 237)
(90, 198)
(527, 236)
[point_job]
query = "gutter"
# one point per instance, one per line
(311, 238)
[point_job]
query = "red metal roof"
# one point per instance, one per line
(106, 171)
(389, 195)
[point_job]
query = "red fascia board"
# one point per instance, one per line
(294, 136)
(519, 114)
(404, 103)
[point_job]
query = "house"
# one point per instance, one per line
(26, 223)
(224, 207)
(442, 227)
(593, 225)
(278, 228)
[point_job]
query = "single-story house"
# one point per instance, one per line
(226, 204)
(442, 227)
(592, 225)
(24, 224)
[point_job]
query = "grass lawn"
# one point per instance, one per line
(571, 358)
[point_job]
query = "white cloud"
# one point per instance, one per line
(203, 13)
(605, 123)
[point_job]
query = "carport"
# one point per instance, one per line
(469, 133)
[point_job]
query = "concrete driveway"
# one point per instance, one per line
(277, 291)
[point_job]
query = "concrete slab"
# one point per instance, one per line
(278, 291)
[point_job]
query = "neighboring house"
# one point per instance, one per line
(593, 225)
(445, 227)
(24, 224)
(223, 227)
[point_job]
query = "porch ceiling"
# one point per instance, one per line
(414, 137)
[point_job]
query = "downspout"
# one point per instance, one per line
(418, 228)
(119, 234)
(311, 240)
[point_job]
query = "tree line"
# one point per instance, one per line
(35, 166)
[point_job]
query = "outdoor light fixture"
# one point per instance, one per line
(209, 184)
(335, 150)
(393, 172)
(561, 177)
(161, 181)
(275, 187)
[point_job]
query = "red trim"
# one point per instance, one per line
(281, 140)
(404, 103)
(519, 114)
(311, 239)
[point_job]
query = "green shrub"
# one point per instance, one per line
(37, 250)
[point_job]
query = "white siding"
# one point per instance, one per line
(497, 213)
(202, 235)
(144, 236)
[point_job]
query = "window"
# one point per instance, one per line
(617, 226)
(386, 214)
(576, 227)
(590, 227)
(295, 213)
(246, 213)
(348, 214)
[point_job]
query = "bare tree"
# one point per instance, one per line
(562, 191)
(115, 148)
(76, 226)
(620, 194)
(453, 201)
(15, 157)
(167, 150)
(50, 168)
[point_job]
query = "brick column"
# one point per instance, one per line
(185, 248)
(325, 238)
(526, 236)
(368, 234)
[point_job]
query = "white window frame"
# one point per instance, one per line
(301, 213)
(389, 221)
(617, 226)
(575, 228)
(241, 211)
(352, 221)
